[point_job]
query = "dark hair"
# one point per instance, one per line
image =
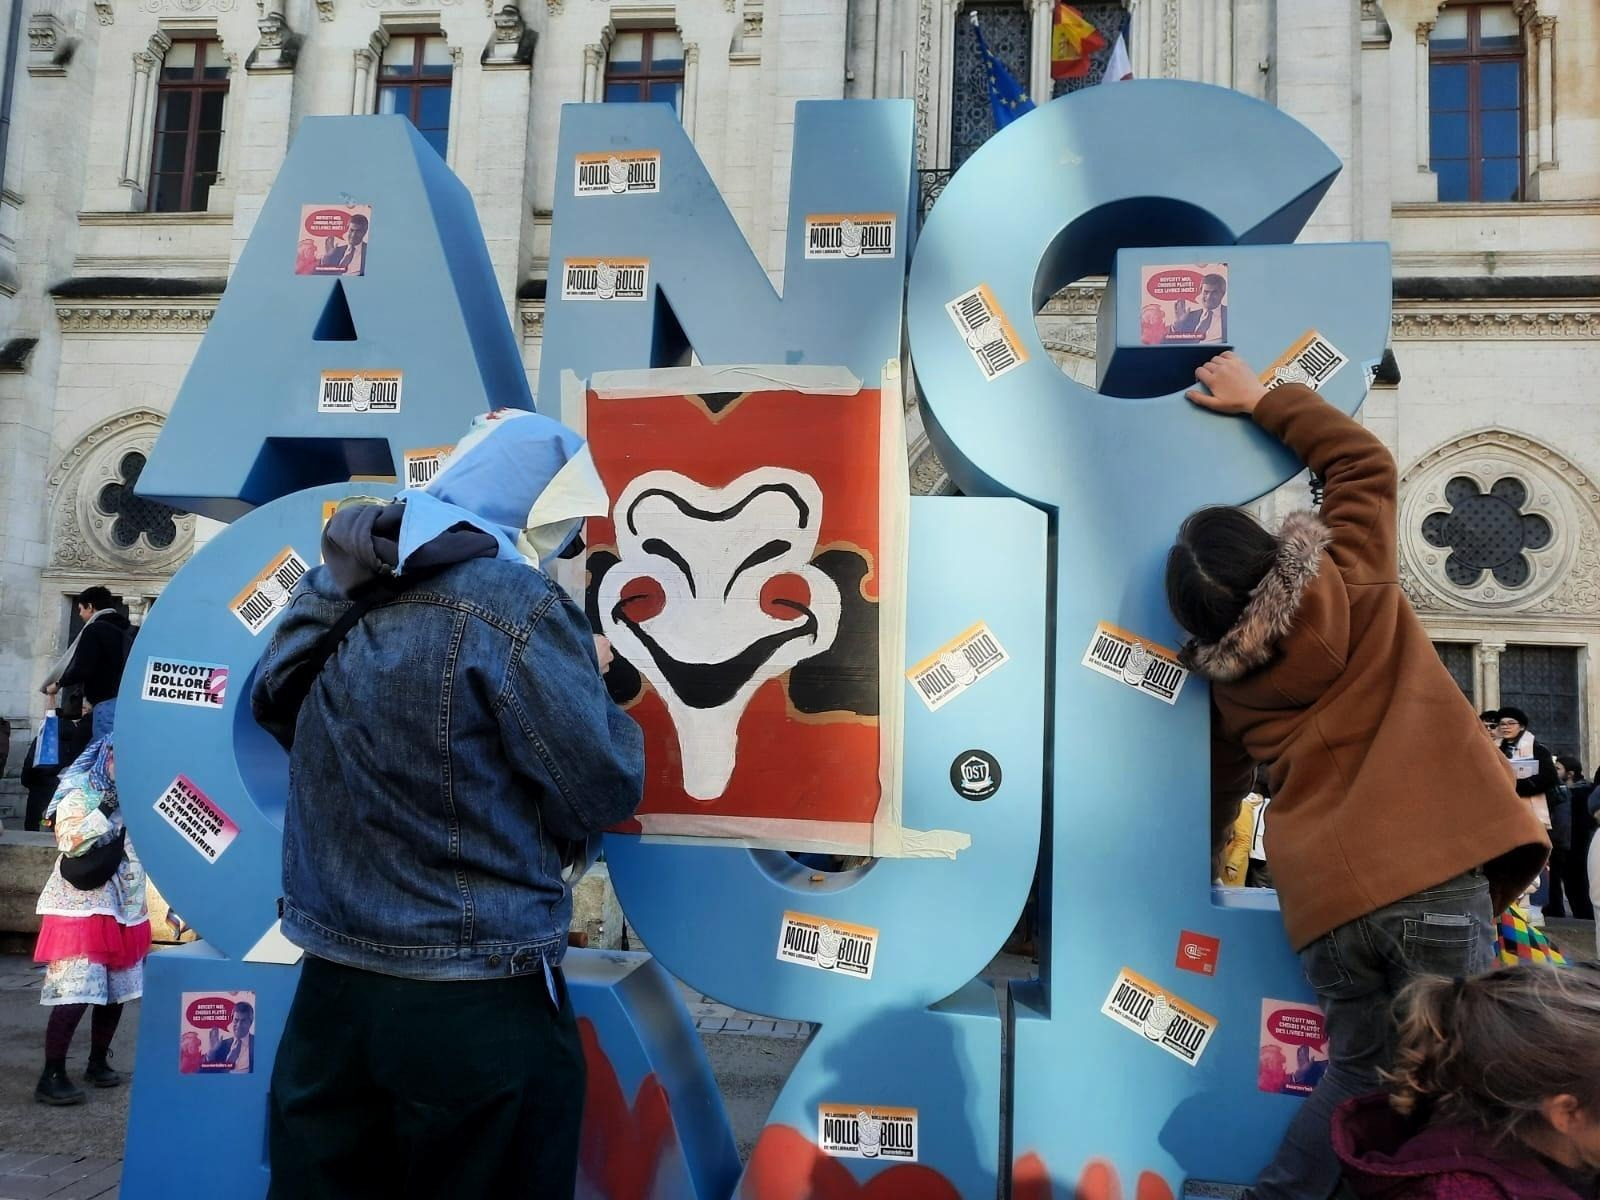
(96, 597)
(1512, 713)
(1214, 280)
(1573, 766)
(1220, 556)
(1489, 716)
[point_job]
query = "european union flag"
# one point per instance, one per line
(1007, 99)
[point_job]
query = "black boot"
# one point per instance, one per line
(99, 1071)
(55, 1088)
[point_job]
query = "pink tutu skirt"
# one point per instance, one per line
(100, 939)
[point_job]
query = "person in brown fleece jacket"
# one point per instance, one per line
(1395, 832)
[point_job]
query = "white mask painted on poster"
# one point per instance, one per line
(713, 595)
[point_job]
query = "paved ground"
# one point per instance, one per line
(750, 1065)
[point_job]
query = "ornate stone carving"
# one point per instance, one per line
(324, 10)
(1421, 598)
(532, 317)
(188, 8)
(409, 3)
(104, 12)
(922, 91)
(752, 23)
(1557, 490)
(554, 6)
(1424, 32)
(134, 318)
(1487, 323)
(49, 44)
(1170, 38)
(928, 476)
(82, 531)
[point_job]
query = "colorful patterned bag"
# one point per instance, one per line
(1521, 942)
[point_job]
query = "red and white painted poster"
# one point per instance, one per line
(741, 580)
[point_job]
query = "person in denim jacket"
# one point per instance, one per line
(454, 752)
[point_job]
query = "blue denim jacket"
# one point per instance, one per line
(459, 736)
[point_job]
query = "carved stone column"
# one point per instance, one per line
(452, 137)
(691, 85)
(1424, 152)
(141, 112)
(1039, 78)
(1545, 96)
(593, 57)
(1489, 673)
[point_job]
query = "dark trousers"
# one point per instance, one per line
(1357, 970)
(387, 1087)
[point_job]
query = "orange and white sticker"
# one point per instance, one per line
(867, 1131)
(267, 594)
(365, 391)
(957, 665)
(605, 278)
(828, 945)
(1139, 663)
(1312, 360)
(617, 173)
(422, 465)
(850, 235)
(1178, 1027)
(990, 337)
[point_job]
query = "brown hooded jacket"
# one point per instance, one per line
(1383, 783)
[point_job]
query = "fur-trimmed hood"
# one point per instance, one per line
(1273, 606)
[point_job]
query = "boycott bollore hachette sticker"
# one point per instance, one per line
(957, 665)
(422, 465)
(195, 816)
(617, 173)
(200, 685)
(605, 278)
(867, 1131)
(990, 337)
(827, 945)
(1179, 1028)
(1132, 660)
(850, 235)
(267, 595)
(365, 391)
(1312, 360)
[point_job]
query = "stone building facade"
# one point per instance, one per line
(140, 138)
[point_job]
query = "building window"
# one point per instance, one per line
(1475, 102)
(414, 81)
(1487, 532)
(133, 516)
(190, 98)
(1008, 29)
(1457, 659)
(645, 66)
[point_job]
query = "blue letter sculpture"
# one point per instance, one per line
(941, 1082)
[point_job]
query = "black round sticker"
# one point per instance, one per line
(975, 774)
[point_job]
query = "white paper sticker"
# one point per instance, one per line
(422, 465)
(867, 1131)
(199, 685)
(605, 278)
(1179, 1028)
(990, 337)
(957, 665)
(617, 173)
(367, 391)
(850, 235)
(1137, 662)
(1312, 360)
(834, 946)
(267, 594)
(194, 815)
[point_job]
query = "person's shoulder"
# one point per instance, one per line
(496, 588)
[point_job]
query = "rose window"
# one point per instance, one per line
(1487, 532)
(133, 516)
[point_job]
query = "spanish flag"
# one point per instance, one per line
(1073, 41)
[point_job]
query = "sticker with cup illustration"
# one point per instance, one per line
(867, 1131)
(617, 173)
(827, 945)
(991, 339)
(957, 665)
(850, 235)
(422, 465)
(1178, 1027)
(1137, 662)
(1312, 360)
(267, 595)
(364, 391)
(605, 278)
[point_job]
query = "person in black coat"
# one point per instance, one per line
(1576, 876)
(1543, 790)
(96, 658)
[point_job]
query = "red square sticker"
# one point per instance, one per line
(1198, 953)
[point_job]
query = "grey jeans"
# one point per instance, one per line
(1357, 970)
